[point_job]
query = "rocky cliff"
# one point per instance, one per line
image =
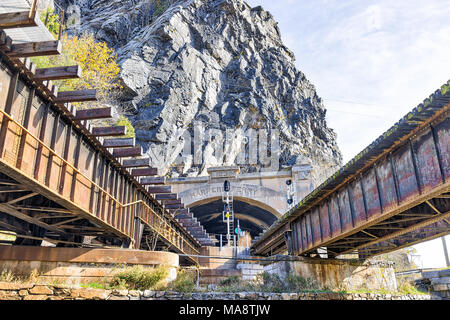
(217, 65)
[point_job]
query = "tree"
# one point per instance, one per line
(95, 58)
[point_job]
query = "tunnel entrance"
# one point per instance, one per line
(253, 218)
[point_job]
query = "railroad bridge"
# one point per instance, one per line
(393, 194)
(66, 181)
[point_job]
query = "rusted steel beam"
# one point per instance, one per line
(29, 68)
(76, 96)
(8, 189)
(8, 106)
(6, 208)
(58, 73)
(97, 113)
(144, 172)
(25, 124)
(27, 196)
(161, 189)
(35, 49)
(109, 131)
(120, 143)
(21, 19)
(127, 152)
(152, 180)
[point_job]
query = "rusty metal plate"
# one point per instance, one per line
(304, 235)
(317, 236)
(325, 221)
(371, 194)
(346, 213)
(335, 217)
(404, 167)
(357, 201)
(298, 232)
(427, 161)
(308, 230)
(5, 79)
(387, 185)
(443, 136)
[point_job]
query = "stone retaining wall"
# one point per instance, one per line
(31, 291)
(80, 265)
(339, 274)
(250, 271)
(438, 283)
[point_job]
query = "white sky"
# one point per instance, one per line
(371, 62)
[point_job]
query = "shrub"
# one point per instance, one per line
(52, 21)
(7, 276)
(96, 59)
(185, 282)
(297, 283)
(124, 121)
(231, 280)
(139, 278)
(273, 283)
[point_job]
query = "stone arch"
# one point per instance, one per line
(254, 216)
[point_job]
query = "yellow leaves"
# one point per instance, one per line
(97, 61)
(95, 58)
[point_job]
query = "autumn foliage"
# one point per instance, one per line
(96, 59)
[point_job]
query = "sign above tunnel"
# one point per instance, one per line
(223, 172)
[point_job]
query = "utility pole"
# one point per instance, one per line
(444, 244)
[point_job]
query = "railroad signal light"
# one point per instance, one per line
(289, 201)
(289, 182)
(226, 186)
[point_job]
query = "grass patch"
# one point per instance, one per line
(267, 282)
(185, 282)
(139, 278)
(96, 285)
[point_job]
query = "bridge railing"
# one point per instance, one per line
(19, 142)
(161, 226)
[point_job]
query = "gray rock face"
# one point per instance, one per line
(218, 64)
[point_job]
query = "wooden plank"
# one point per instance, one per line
(97, 113)
(127, 152)
(109, 131)
(160, 189)
(58, 73)
(136, 163)
(171, 201)
(119, 143)
(34, 49)
(144, 172)
(152, 180)
(181, 212)
(166, 196)
(21, 19)
(76, 96)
